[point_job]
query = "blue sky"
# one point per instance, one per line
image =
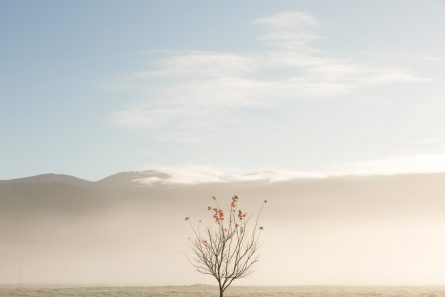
(90, 88)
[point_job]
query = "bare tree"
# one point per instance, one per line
(228, 248)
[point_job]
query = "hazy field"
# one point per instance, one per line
(206, 291)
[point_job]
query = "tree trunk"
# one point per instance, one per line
(221, 292)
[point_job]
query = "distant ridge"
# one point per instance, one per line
(47, 179)
(119, 223)
(116, 179)
(151, 177)
(131, 176)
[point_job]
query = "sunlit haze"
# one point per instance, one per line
(118, 119)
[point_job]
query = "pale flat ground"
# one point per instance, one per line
(207, 291)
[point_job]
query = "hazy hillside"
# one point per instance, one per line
(63, 229)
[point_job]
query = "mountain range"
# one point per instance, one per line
(129, 228)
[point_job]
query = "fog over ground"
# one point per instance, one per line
(352, 230)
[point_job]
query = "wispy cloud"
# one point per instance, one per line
(288, 29)
(287, 20)
(187, 86)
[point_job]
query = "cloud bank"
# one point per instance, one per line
(199, 174)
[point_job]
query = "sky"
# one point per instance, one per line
(91, 88)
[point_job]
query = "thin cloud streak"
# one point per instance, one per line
(404, 164)
(289, 19)
(288, 29)
(428, 140)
